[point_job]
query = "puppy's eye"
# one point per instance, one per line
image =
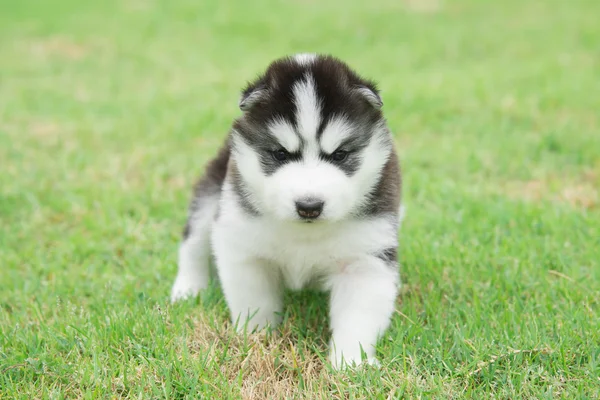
(339, 155)
(281, 155)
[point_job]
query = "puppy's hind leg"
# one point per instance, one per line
(194, 251)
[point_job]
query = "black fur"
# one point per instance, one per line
(388, 255)
(209, 184)
(385, 196)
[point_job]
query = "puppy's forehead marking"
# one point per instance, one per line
(305, 58)
(308, 107)
(336, 131)
(285, 134)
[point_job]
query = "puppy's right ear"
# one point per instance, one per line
(252, 95)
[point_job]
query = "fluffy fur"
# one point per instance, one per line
(305, 191)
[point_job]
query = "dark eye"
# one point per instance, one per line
(339, 155)
(281, 155)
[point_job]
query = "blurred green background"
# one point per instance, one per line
(108, 111)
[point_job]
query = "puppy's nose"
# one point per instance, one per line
(309, 208)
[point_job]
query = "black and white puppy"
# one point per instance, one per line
(305, 191)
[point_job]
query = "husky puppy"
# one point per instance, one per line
(305, 191)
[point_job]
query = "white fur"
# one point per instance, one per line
(285, 134)
(308, 109)
(305, 58)
(311, 179)
(336, 131)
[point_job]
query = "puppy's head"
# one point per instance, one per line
(312, 142)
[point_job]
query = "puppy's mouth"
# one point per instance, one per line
(304, 220)
(309, 215)
(309, 221)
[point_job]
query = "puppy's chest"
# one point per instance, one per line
(306, 253)
(301, 243)
(302, 261)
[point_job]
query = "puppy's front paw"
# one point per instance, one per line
(340, 361)
(186, 287)
(258, 322)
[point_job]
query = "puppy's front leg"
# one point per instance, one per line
(252, 291)
(363, 296)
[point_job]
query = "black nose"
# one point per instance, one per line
(309, 208)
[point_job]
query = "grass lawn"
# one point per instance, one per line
(109, 109)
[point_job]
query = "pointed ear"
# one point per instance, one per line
(251, 96)
(371, 95)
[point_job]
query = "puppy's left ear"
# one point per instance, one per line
(251, 95)
(371, 95)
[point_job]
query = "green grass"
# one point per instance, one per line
(109, 109)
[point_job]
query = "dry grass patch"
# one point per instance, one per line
(57, 46)
(581, 191)
(40, 129)
(269, 365)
